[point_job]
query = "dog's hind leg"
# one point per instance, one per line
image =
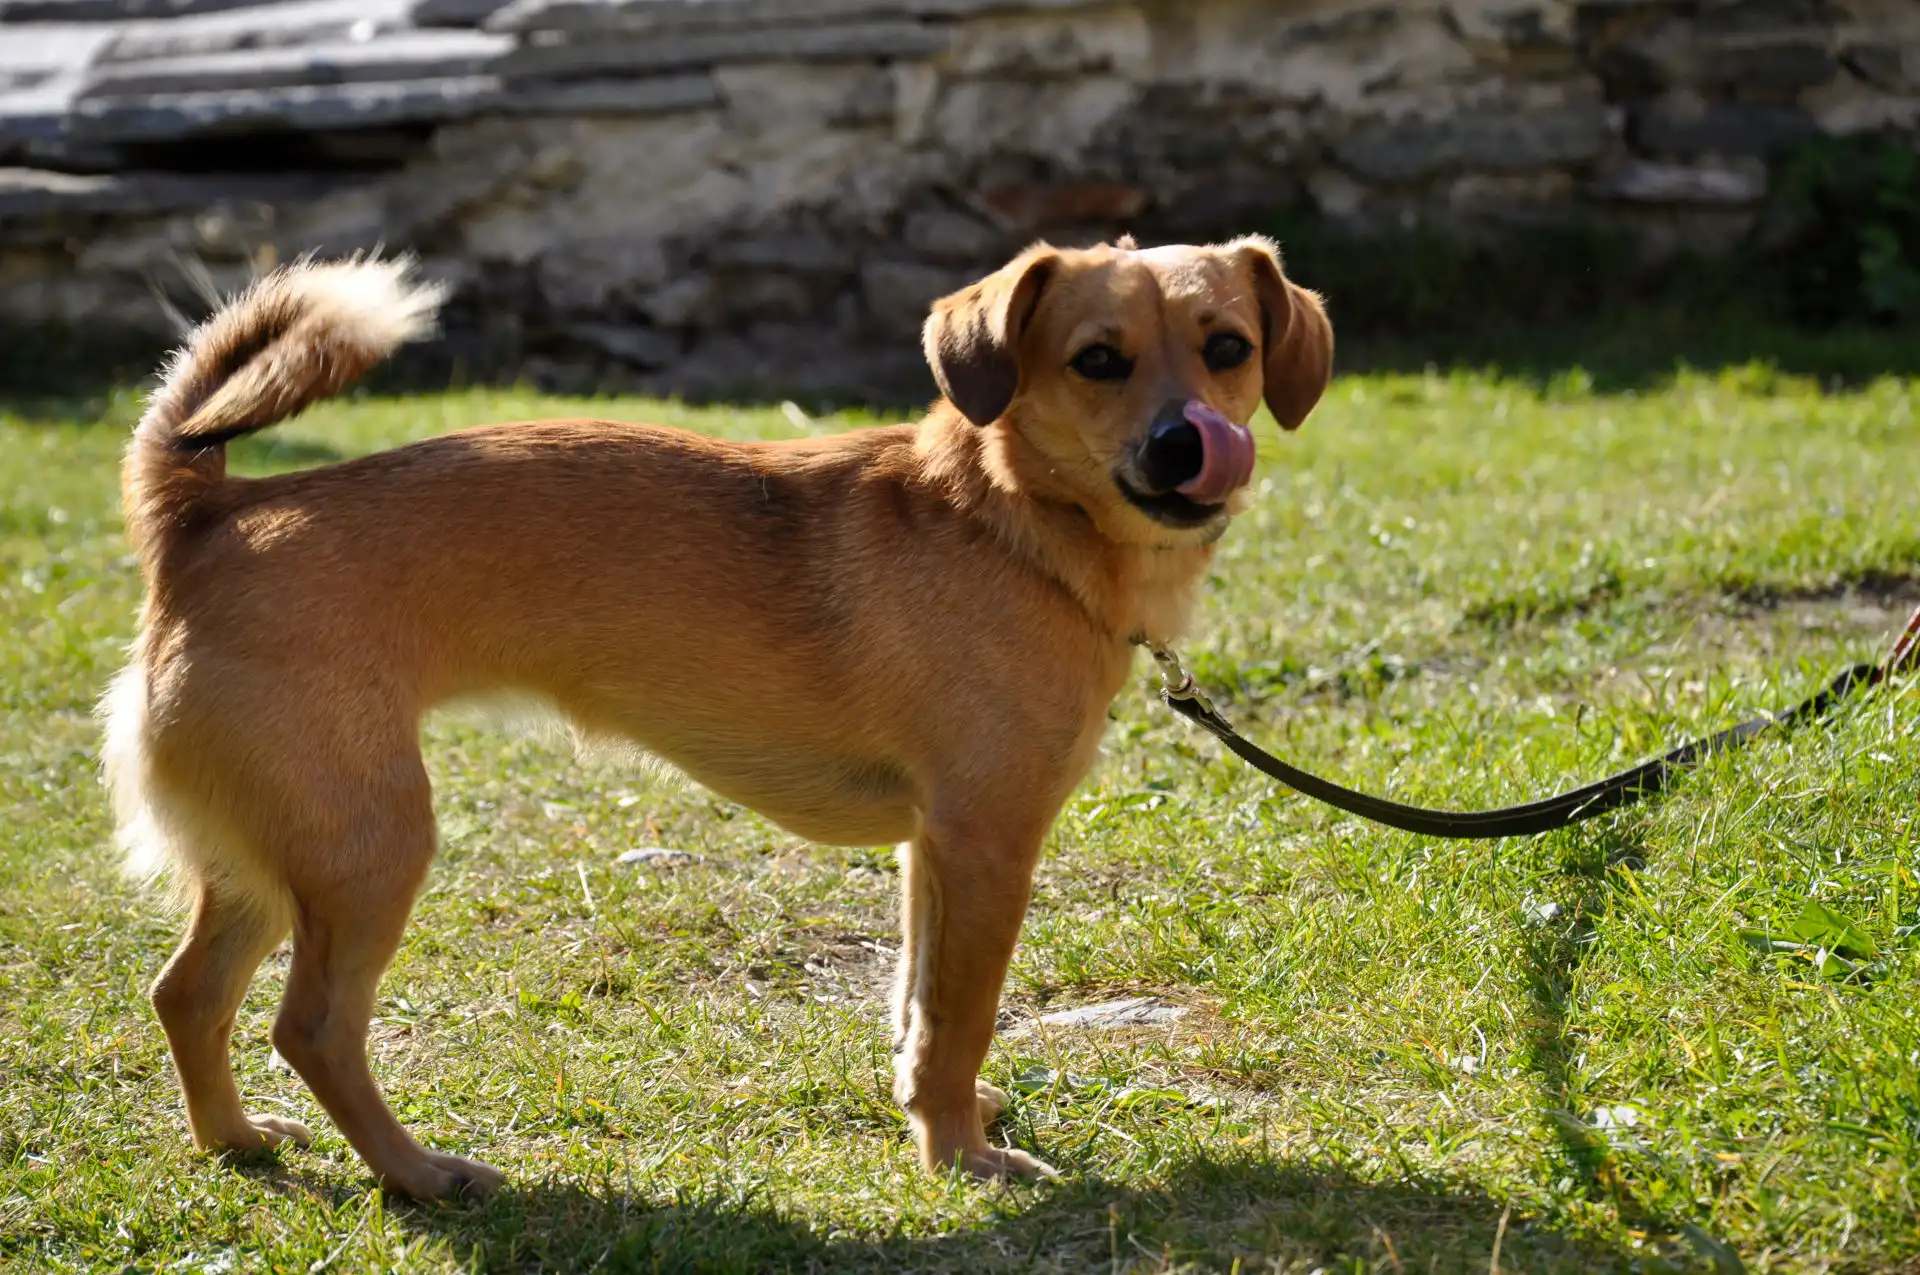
(197, 996)
(351, 906)
(965, 893)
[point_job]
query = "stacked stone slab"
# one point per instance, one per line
(727, 195)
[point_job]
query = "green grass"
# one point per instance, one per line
(1399, 1054)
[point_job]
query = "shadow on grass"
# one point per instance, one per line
(1251, 1215)
(1552, 954)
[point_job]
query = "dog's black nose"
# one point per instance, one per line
(1173, 452)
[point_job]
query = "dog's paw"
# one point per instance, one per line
(993, 1101)
(993, 1163)
(274, 1130)
(439, 1176)
(260, 1133)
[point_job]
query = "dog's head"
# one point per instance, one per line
(1133, 373)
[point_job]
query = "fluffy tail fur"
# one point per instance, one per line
(298, 335)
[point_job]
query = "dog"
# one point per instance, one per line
(904, 635)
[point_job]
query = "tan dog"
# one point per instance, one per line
(908, 634)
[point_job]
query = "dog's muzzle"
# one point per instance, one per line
(1191, 460)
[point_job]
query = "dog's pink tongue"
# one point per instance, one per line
(1226, 456)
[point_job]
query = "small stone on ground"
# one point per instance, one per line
(660, 857)
(1139, 1011)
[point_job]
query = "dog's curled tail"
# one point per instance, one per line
(296, 336)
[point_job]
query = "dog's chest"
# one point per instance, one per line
(1156, 590)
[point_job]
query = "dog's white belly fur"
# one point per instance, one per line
(829, 800)
(806, 788)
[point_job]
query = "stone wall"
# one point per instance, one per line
(708, 195)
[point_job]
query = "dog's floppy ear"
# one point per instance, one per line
(972, 337)
(1298, 340)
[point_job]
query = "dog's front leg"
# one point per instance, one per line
(964, 893)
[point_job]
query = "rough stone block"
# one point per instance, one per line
(259, 26)
(37, 114)
(30, 56)
(1032, 206)
(1332, 62)
(898, 294)
(1180, 130)
(899, 38)
(1884, 66)
(781, 95)
(539, 186)
(1781, 63)
(1847, 107)
(1518, 136)
(1503, 195)
(1337, 195)
(875, 99)
(315, 108)
(638, 17)
(453, 13)
(598, 276)
(943, 235)
(1763, 17)
(800, 252)
(33, 127)
(644, 16)
(1642, 182)
(1242, 195)
(32, 193)
(1517, 26)
(1111, 41)
(22, 11)
(1057, 119)
(1368, 22)
(1682, 124)
(402, 55)
(234, 227)
(354, 215)
(1672, 52)
(805, 359)
(761, 297)
(637, 346)
(689, 301)
(916, 91)
(974, 8)
(653, 95)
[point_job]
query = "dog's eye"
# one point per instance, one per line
(1102, 363)
(1227, 350)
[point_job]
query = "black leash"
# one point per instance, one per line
(1184, 697)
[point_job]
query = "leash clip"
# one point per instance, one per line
(1176, 683)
